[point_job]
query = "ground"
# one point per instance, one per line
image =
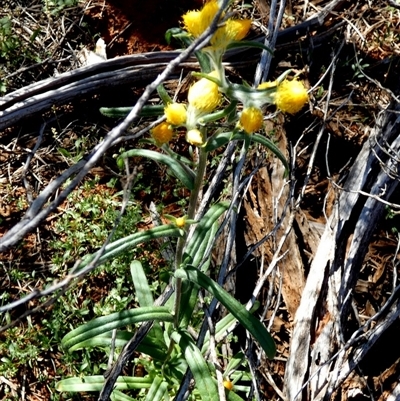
(361, 38)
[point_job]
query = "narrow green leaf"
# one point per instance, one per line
(218, 140)
(246, 319)
(117, 395)
(95, 383)
(232, 396)
(272, 147)
(183, 173)
(189, 300)
(103, 324)
(122, 112)
(164, 96)
(151, 345)
(145, 298)
(157, 390)
(249, 43)
(224, 325)
(205, 383)
(219, 114)
(124, 244)
(142, 288)
(193, 254)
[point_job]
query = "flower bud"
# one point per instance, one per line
(194, 137)
(180, 222)
(228, 384)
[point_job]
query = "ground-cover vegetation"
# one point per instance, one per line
(269, 242)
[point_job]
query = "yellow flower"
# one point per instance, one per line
(251, 119)
(291, 96)
(204, 95)
(230, 31)
(162, 133)
(180, 222)
(175, 113)
(196, 22)
(195, 137)
(228, 384)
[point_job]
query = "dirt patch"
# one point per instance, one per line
(136, 26)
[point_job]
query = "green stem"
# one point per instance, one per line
(198, 185)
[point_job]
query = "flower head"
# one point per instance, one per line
(162, 133)
(204, 95)
(228, 384)
(196, 22)
(180, 222)
(230, 31)
(291, 96)
(251, 119)
(195, 137)
(175, 113)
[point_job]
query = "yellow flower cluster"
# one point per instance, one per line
(196, 22)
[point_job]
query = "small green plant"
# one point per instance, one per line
(9, 42)
(56, 6)
(216, 113)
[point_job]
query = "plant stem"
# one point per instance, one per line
(198, 185)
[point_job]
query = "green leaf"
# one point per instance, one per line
(189, 301)
(224, 325)
(119, 396)
(142, 288)
(122, 112)
(249, 43)
(151, 345)
(95, 383)
(180, 171)
(205, 383)
(124, 244)
(95, 327)
(219, 114)
(157, 390)
(272, 147)
(145, 298)
(198, 243)
(164, 96)
(246, 319)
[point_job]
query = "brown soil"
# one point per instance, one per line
(137, 26)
